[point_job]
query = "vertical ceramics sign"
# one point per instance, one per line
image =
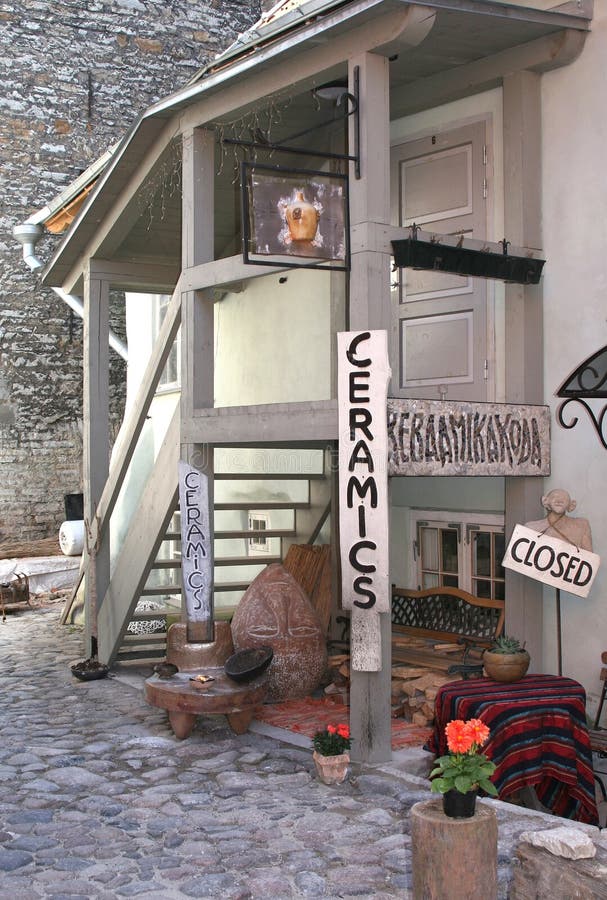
(196, 546)
(363, 375)
(551, 560)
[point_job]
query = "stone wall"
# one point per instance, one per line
(74, 77)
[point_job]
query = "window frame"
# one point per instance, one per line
(166, 385)
(466, 524)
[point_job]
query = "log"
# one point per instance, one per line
(22, 549)
(418, 718)
(453, 858)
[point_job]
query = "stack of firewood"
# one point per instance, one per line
(338, 667)
(413, 689)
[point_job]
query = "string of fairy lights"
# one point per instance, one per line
(256, 126)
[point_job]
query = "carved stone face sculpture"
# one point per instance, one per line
(558, 501)
(558, 524)
(275, 612)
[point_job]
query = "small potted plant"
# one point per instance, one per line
(506, 660)
(331, 753)
(459, 775)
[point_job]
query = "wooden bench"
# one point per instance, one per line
(443, 628)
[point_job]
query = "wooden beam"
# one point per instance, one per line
(132, 426)
(540, 55)
(262, 75)
(224, 273)
(524, 331)
(95, 441)
(146, 532)
(370, 308)
(150, 277)
(285, 423)
(198, 337)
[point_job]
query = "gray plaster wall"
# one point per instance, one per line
(74, 75)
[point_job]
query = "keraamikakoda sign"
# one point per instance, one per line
(432, 437)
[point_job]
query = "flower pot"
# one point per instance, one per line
(459, 806)
(505, 666)
(331, 769)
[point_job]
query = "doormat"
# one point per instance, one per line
(312, 714)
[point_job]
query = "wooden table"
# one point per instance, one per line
(538, 737)
(184, 700)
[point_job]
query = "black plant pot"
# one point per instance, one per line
(459, 806)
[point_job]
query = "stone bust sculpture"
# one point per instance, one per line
(558, 524)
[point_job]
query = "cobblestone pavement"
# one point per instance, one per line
(99, 800)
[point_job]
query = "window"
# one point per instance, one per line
(259, 543)
(169, 380)
(462, 550)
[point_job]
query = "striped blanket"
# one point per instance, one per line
(538, 737)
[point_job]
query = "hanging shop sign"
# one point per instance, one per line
(295, 217)
(434, 437)
(196, 544)
(363, 375)
(551, 560)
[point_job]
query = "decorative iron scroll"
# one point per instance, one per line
(587, 382)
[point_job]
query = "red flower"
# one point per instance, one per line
(478, 731)
(331, 729)
(459, 739)
(343, 731)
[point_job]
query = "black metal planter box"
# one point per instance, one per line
(462, 261)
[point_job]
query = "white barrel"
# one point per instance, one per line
(71, 537)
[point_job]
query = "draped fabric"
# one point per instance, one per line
(538, 738)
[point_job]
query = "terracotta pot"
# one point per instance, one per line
(302, 218)
(459, 806)
(505, 666)
(331, 769)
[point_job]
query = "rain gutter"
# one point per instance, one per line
(28, 235)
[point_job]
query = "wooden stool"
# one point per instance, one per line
(184, 701)
(453, 858)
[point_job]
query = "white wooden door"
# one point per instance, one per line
(440, 320)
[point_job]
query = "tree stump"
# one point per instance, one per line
(453, 858)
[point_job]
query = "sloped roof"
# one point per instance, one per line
(466, 31)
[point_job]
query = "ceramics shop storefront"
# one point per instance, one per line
(311, 122)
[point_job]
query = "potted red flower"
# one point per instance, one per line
(460, 774)
(331, 753)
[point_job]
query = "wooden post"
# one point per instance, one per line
(453, 858)
(95, 439)
(524, 330)
(369, 308)
(197, 331)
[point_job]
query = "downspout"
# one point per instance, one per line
(28, 235)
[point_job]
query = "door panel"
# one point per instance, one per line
(440, 326)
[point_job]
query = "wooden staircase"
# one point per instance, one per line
(242, 550)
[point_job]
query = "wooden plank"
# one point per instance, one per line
(132, 426)
(370, 308)
(96, 444)
(278, 422)
(223, 273)
(524, 380)
(140, 546)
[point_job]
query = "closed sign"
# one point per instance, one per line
(552, 561)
